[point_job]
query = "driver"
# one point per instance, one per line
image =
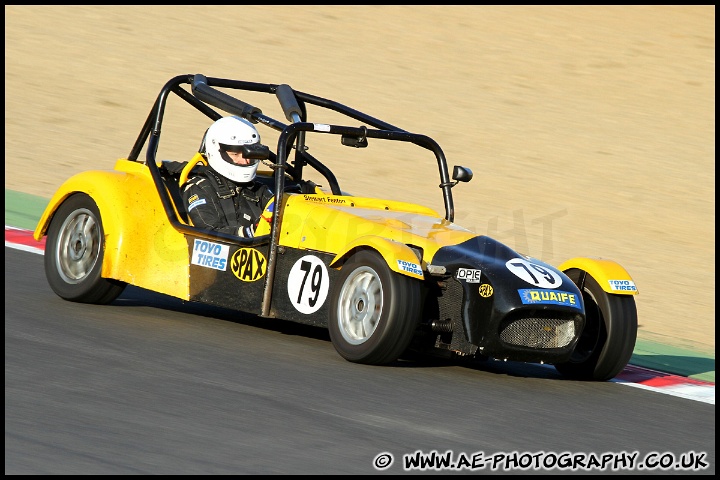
(225, 196)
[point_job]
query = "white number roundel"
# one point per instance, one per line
(534, 273)
(308, 284)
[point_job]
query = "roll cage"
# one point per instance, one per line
(204, 93)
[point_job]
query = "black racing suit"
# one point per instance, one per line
(244, 203)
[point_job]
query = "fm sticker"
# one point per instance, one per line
(622, 285)
(248, 264)
(485, 290)
(530, 296)
(533, 273)
(308, 284)
(470, 275)
(210, 255)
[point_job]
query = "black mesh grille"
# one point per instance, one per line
(450, 301)
(539, 332)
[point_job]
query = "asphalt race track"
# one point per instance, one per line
(149, 385)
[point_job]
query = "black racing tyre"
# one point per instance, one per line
(373, 311)
(608, 339)
(74, 253)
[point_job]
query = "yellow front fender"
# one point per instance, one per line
(611, 277)
(398, 256)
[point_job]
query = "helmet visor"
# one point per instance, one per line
(255, 151)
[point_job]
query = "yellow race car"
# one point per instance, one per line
(385, 277)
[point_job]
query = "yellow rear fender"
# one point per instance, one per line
(398, 256)
(95, 184)
(611, 277)
(141, 246)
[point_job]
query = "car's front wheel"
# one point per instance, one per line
(608, 339)
(373, 311)
(74, 253)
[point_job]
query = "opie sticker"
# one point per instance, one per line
(210, 255)
(530, 296)
(470, 275)
(622, 285)
(308, 284)
(248, 264)
(534, 273)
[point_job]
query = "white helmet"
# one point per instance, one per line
(228, 134)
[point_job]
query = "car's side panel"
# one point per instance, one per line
(612, 277)
(303, 286)
(227, 275)
(142, 248)
(232, 276)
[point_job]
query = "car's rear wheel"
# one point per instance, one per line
(74, 253)
(373, 311)
(608, 339)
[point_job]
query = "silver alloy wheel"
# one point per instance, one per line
(360, 305)
(78, 247)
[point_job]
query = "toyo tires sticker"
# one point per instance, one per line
(209, 254)
(534, 273)
(622, 285)
(308, 284)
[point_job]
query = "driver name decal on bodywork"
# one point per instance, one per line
(535, 273)
(248, 264)
(319, 199)
(530, 296)
(622, 285)
(470, 275)
(210, 255)
(308, 284)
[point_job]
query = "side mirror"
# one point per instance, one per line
(462, 174)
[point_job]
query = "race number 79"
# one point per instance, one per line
(534, 273)
(305, 266)
(308, 284)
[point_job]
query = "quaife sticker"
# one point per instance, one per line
(622, 285)
(554, 297)
(210, 255)
(308, 284)
(534, 273)
(248, 264)
(470, 275)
